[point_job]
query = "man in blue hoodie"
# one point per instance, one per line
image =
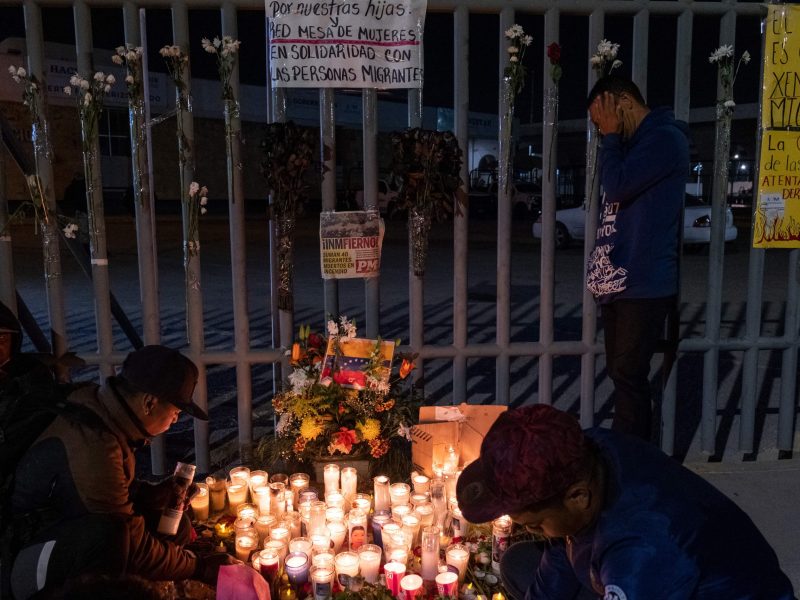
(633, 270)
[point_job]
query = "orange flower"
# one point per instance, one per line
(299, 445)
(342, 441)
(406, 367)
(378, 447)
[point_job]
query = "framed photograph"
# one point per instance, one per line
(348, 361)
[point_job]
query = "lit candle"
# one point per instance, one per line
(388, 530)
(288, 498)
(237, 494)
(421, 484)
(301, 544)
(398, 554)
(242, 473)
(257, 479)
(346, 564)
(278, 546)
(419, 499)
(458, 522)
(280, 533)
(501, 531)
(245, 544)
(382, 500)
(334, 499)
(362, 502)
(369, 562)
(447, 584)
(379, 519)
(298, 483)
(394, 572)
(330, 474)
(399, 511)
(308, 495)
(261, 499)
(439, 501)
(316, 521)
(457, 557)
(425, 514)
(399, 493)
(277, 498)
(411, 527)
(411, 586)
(246, 511)
(293, 521)
(321, 542)
(321, 582)
(264, 523)
(216, 487)
(498, 596)
(334, 514)
(269, 562)
(199, 503)
(296, 567)
(450, 484)
(279, 478)
(349, 477)
(223, 530)
(430, 553)
(322, 559)
(357, 528)
(337, 530)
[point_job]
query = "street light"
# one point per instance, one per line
(698, 168)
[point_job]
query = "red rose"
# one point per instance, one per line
(315, 340)
(554, 53)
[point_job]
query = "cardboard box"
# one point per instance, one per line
(442, 428)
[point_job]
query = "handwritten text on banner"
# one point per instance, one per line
(346, 43)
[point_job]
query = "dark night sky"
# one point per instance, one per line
(108, 33)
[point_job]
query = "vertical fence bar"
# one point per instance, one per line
(142, 193)
(716, 259)
(416, 290)
(44, 169)
(370, 153)
(94, 197)
(683, 67)
(504, 181)
(549, 184)
(461, 221)
(241, 317)
(591, 201)
(8, 286)
(194, 294)
(327, 151)
(641, 29)
(786, 409)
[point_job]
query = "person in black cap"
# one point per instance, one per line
(77, 508)
(619, 518)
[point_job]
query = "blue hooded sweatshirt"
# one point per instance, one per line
(644, 182)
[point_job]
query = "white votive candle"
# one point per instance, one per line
(369, 562)
(264, 524)
(381, 488)
(346, 563)
(411, 586)
(421, 484)
(349, 479)
(330, 474)
(261, 499)
(457, 556)
(245, 544)
(200, 503)
(257, 478)
(430, 553)
(337, 531)
(399, 493)
(216, 488)
(237, 494)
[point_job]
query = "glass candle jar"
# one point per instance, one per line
(298, 483)
(261, 498)
(357, 528)
(257, 478)
(501, 532)
(322, 581)
(246, 544)
(399, 493)
(269, 562)
(237, 494)
(381, 496)
(200, 502)
(394, 572)
(296, 566)
(369, 562)
(337, 530)
(330, 475)
(346, 564)
(430, 553)
(457, 557)
(218, 493)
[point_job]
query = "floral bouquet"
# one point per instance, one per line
(344, 404)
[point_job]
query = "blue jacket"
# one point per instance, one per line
(644, 182)
(664, 533)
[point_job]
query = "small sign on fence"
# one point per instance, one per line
(350, 244)
(346, 43)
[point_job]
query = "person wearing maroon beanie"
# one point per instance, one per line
(618, 518)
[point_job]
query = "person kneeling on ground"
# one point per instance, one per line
(76, 506)
(620, 518)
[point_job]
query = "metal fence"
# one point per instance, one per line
(547, 349)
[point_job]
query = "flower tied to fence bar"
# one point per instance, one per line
(605, 60)
(336, 404)
(31, 91)
(287, 149)
(226, 50)
(724, 58)
(430, 165)
(554, 55)
(515, 70)
(130, 56)
(196, 202)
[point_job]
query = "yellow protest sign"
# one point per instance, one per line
(776, 221)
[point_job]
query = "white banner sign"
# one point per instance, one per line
(346, 43)
(350, 244)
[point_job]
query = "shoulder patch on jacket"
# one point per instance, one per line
(614, 593)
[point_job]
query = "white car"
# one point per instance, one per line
(571, 224)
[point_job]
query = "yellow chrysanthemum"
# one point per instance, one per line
(370, 429)
(310, 428)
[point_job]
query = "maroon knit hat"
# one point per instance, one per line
(528, 455)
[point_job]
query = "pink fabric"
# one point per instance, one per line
(240, 582)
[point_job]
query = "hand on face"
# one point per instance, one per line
(606, 112)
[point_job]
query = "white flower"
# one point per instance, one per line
(745, 57)
(87, 99)
(84, 85)
(404, 431)
(347, 327)
(723, 52)
(729, 104)
(120, 49)
(68, 90)
(131, 56)
(12, 69)
(34, 86)
(513, 59)
(203, 201)
(106, 89)
(116, 59)
(203, 210)
(299, 380)
(217, 42)
(111, 80)
(21, 72)
(194, 187)
(283, 423)
(527, 40)
(607, 50)
(616, 64)
(333, 328)
(596, 60)
(99, 76)
(16, 78)
(513, 49)
(70, 230)
(75, 80)
(129, 79)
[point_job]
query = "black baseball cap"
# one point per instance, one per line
(165, 373)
